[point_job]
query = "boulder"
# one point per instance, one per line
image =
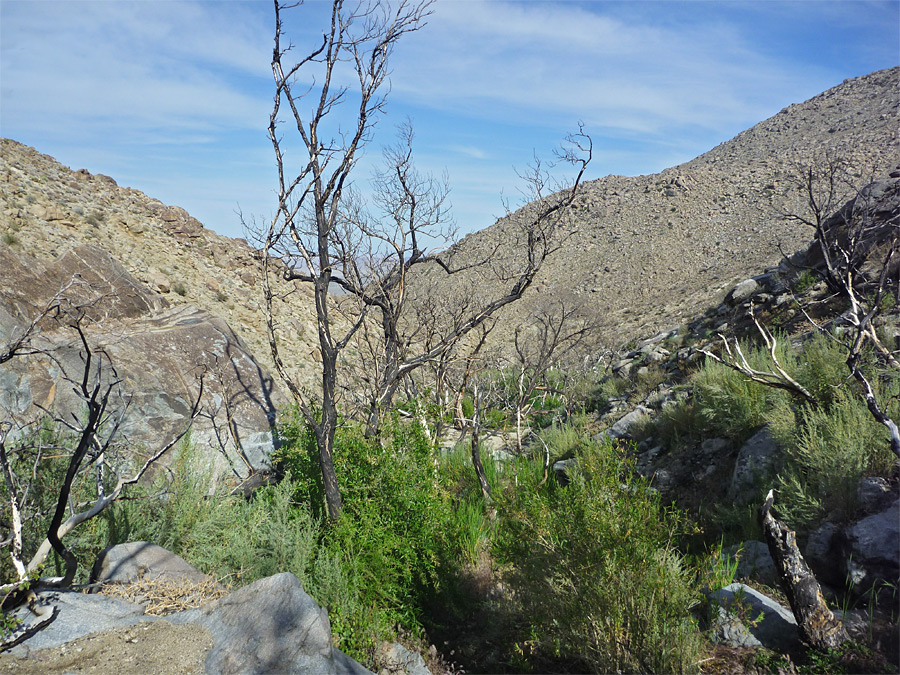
(874, 210)
(753, 561)
(873, 494)
(743, 291)
(159, 354)
(872, 550)
(79, 615)
(132, 561)
(621, 428)
(395, 659)
(822, 554)
(562, 469)
(770, 624)
(270, 626)
(757, 460)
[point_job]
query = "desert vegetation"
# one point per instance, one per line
(597, 572)
(465, 482)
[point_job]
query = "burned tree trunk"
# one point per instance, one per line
(818, 626)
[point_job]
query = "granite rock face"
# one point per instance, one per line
(128, 562)
(155, 354)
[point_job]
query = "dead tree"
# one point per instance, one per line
(90, 452)
(307, 225)
(856, 248)
(476, 448)
(777, 378)
(557, 328)
(817, 624)
(323, 236)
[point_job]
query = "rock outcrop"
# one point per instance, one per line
(269, 626)
(156, 354)
(47, 209)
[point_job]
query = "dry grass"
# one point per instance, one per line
(167, 596)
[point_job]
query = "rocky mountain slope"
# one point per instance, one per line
(641, 253)
(645, 252)
(47, 208)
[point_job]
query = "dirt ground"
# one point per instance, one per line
(157, 647)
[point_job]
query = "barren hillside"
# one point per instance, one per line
(644, 252)
(641, 252)
(47, 208)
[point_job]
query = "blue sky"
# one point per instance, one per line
(173, 98)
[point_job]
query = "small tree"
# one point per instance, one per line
(559, 326)
(324, 236)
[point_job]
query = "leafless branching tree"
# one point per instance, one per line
(306, 232)
(558, 327)
(323, 235)
(84, 440)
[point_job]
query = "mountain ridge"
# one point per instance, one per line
(644, 252)
(641, 253)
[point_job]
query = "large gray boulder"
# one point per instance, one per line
(622, 427)
(743, 291)
(753, 561)
(872, 550)
(873, 215)
(751, 619)
(270, 626)
(124, 563)
(395, 659)
(157, 353)
(823, 555)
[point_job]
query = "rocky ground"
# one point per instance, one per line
(158, 647)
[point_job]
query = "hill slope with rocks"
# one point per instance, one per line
(47, 208)
(645, 252)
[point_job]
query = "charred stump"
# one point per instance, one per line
(818, 626)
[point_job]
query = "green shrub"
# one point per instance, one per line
(678, 425)
(397, 537)
(562, 440)
(806, 280)
(729, 403)
(601, 586)
(822, 368)
(608, 387)
(10, 239)
(828, 449)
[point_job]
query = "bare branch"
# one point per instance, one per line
(736, 360)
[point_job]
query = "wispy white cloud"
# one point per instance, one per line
(468, 151)
(107, 67)
(641, 68)
(169, 92)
